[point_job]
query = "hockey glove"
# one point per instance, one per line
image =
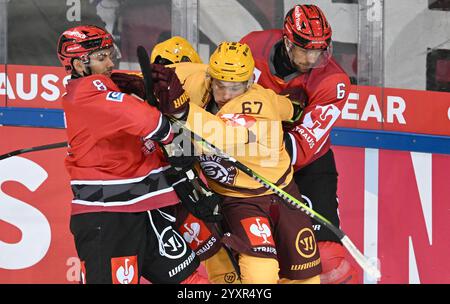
(129, 84)
(194, 194)
(173, 100)
(181, 151)
(299, 100)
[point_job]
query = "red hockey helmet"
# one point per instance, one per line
(79, 42)
(307, 27)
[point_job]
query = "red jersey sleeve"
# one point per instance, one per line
(107, 111)
(326, 100)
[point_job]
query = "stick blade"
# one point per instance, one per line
(370, 268)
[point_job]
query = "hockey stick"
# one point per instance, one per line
(144, 63)
(33, 149)
(362, 260)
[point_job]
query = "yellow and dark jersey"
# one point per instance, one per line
(247, 128)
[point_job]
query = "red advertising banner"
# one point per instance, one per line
(35, 242)
(386, 109)
(27, 86)
(393, 206)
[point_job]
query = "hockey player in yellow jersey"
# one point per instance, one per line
(204, 239)
(174, 50)
(274, 243)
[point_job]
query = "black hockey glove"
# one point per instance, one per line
(194, 194)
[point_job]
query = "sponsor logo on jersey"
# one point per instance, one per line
(258, 231)
(124, 270)
(194, 231)
(305, 266)
(235, 120)
(183, 265)
(174, 246)
(265, 249)
(230, 277)
(115, 96)
(305, 243)
(319, 121)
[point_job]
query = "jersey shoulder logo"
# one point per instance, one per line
(115, 96)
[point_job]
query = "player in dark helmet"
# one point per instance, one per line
(297, 61)
(121, 229)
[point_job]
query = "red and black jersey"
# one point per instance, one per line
(326, 88)
(112, 160)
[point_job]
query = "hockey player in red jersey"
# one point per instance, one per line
(120, 228)
(297, 61)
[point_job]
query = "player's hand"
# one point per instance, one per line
(130, 84)
(173, 100)
(194, 194)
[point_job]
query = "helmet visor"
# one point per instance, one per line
(304, 59)
(103, 61)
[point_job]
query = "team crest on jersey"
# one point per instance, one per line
(115, 96)
(235, 120)
(218, 169)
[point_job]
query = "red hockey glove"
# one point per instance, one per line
(129, 83)
(173, 100)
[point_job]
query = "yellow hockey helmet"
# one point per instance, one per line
(174, 50)
(231, 61)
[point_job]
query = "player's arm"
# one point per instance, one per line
(318, 117)
(287, 110)
(114, 111)
(223, 133)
